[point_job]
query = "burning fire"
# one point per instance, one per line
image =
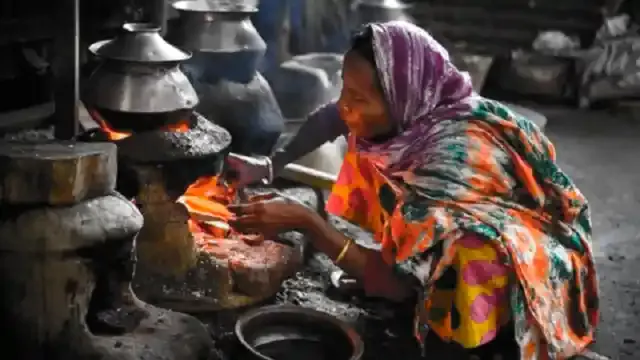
(206, 199)
(115, 135)
(207, 202)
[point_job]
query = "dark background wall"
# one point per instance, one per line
(499, 26)
(27, 29)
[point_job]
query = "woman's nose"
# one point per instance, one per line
(344, 108)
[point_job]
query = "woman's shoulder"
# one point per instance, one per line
(491, 124)
(488, 115)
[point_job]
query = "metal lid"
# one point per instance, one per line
(385, 4)
(216, 6)
(139, 42)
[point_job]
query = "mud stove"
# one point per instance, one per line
(75, 217)
(169, 157)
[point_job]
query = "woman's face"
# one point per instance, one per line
(362, 105)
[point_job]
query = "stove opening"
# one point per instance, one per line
(128, 124)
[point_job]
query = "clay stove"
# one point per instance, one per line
(169, 156)
(67, 242)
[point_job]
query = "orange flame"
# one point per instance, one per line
(207, 202)
(115, 135)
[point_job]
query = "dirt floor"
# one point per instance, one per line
(601, 151)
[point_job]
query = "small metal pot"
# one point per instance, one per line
(221, 36)
(283, 332)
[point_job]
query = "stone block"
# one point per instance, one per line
(56, 173)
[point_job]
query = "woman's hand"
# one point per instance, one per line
(245, 170)
(270, 217)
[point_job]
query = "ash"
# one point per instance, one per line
(31, 135)
(311, 288)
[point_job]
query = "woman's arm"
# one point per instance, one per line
(364, 264)
(321, 126)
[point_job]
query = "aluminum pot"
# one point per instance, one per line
(138, 78)
(219, 33)
(227, 50)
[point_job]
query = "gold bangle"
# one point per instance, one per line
(343, 252)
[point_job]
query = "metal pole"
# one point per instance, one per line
(66, 67)
(157, 11)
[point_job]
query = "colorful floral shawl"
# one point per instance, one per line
(465, 164)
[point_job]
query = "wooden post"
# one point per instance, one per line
(66, 66)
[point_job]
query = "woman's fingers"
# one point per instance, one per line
(263, 197)
(245, 220)
(245, 209)
(237, 209)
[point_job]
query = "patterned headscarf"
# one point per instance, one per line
(421, 87)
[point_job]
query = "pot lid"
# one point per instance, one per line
(385, 4)
(139, 42)
(216, 6)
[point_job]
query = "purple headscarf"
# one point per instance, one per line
(421, 87)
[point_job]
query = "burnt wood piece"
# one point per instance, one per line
(204, 139)
(56, 173)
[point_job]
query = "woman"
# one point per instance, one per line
(466, 199)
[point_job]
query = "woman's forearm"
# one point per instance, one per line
(321, 126)
(364, 264)
(331, 242)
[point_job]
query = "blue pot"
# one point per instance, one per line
(227, 51)
(211, 67)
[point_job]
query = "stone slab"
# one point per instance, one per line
(56, 173)
(82, 225)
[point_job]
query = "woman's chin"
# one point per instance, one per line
(361, 133)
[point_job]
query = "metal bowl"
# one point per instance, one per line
(287, 332)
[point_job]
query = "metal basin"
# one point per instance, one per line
(286, 332)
